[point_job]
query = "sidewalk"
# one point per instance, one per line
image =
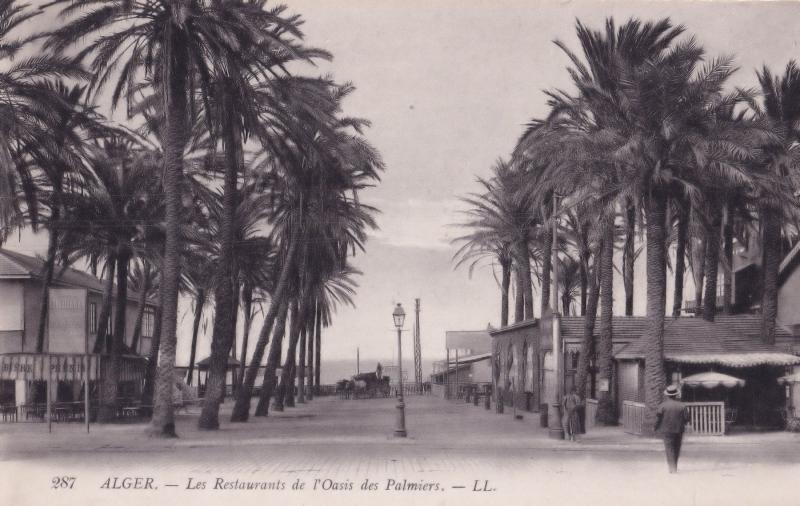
(432, 423)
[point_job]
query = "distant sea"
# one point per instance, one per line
(332, 370)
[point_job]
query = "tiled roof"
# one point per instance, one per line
(624, 328)
(13, 264)
(689, 339)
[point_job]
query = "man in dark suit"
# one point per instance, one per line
(671, 419)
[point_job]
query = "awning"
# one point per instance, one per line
(789, 378)
(742, 359)
(712, 380)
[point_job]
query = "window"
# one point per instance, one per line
(148, 322)
(93, 318)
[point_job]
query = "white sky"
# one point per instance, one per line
(448, 86)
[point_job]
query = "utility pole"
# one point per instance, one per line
(417, 350)
(358, 360)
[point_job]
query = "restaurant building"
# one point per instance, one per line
(67, 358)
(524, 372)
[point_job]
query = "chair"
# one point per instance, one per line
(730, 417)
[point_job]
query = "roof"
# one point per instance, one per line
(730, 340)
(14, 265)
(232, 362)
(17, 265)
(625, 328)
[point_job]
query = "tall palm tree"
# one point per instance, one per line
(180, 44)
(487, 239)
(777, 175)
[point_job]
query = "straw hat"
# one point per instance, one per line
(671, 391)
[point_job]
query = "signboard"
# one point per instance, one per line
(67, 320)
(30, 367)
(603, 385)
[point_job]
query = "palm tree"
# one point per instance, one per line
(487, 239)
(32, 112)
(116, 203)
(180, 44)
(311, 190)
(777, 174)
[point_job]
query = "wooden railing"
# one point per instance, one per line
(633, 417)
(706, 418)
(591, 413)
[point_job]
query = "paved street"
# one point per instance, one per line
(450, 445)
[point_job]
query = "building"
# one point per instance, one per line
(468, 363)
(524, 373)
(75, 301)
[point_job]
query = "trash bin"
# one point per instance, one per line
(543, 415)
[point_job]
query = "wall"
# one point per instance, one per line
(789, 300)
(513, 368)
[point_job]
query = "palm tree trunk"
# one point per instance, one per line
(241, 410)
(108, 388)
(225, 291)
(527, 286)
(587, 344)
(771, 223)
(310, 354)
(584, 280)
(519, 296)
(505, 265)
(680, 261)
(286, 371)
(317, 351)
(712, 263)
(101, 344)
(145, 289)
(274, 358)
(727, 251)
(247, 298)
(547, 261)
(301, 362)
(628, 256)
(176, 121)
(654, 374)
(47, 277)
(152, 359)
(199, 304)
(605, 404)
(699, 271)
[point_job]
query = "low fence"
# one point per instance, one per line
(706, 418)
(633, 417)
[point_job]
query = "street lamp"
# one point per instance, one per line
(400, 429)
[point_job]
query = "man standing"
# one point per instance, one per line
(671, 419)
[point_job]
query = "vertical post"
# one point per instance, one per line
(417, 350)
(87, 360)
(556, 431)
(358, 360)
(447, 376)
(47, 392)
(400, 430)
(458, 383)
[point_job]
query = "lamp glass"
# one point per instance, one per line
(399, 316)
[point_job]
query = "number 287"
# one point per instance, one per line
(62, 482)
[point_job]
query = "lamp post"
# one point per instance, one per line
(556, 430)
(400, 429)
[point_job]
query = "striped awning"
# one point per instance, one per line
(744, 359)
